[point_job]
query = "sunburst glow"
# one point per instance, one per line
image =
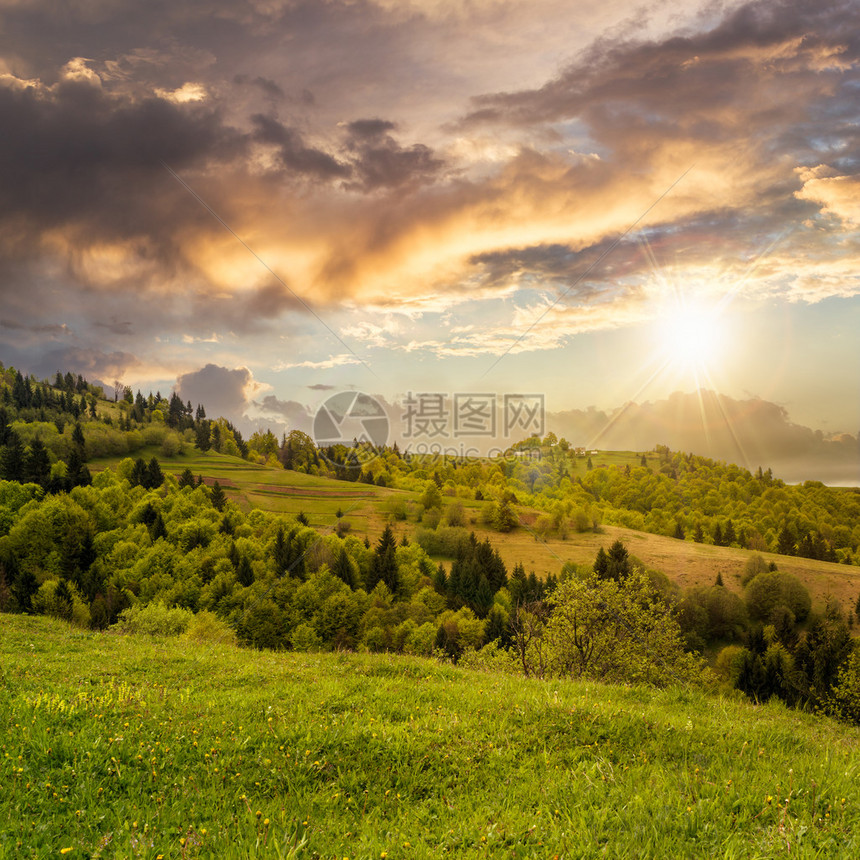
(693, 336)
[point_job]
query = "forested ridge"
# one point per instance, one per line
(145, 549)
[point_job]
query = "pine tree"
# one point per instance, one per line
(786, 542)
(245, 573)
(280, 552)
(226, 527)
(201, 436)
(302, 519)
(497, 628)
(84, 478)
(440, 583)
(138, 475)
(729, 536)
(601, 564)
(718, 535)
(12, 458)
(186, 479)
(619, 562)
(343, 569)
(679, 531)
(79, 441)
(24, 586)
(217, 497)
(383, 566)
(5, 429)
(73, 470)
(483, 600)
(154, 475)
(157, 529)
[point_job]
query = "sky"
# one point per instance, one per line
(262, 203)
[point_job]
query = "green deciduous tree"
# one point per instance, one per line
(618, 632)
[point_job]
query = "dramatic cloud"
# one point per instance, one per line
(223, 392)
(218, 183)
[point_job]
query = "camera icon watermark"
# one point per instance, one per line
(350, 428)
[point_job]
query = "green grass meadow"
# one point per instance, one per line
(123, 746)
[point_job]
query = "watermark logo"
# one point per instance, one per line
(438, 415)
(354, 420)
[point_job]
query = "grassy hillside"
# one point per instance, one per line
(687, 563)
(115, 746)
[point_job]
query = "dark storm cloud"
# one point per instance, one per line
(266, 85)
(369, 129)
(89, 362)
(765, 63)
(584, 275)
(116, 327)
(13, 325)
(381, 162)
(293, 154)
(79, 156)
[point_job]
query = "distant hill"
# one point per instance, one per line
(750, 433)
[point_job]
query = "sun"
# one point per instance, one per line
(691, 339)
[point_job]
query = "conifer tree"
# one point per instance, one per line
(79, 441)
(12, 458)
(440, 583)
(280, 552)
(729, 536)
(217, 497)
(186, 479)
(343, 569)
(138, 475)
(383, 567)
(245, 573)
(154, 475)
(157, 529)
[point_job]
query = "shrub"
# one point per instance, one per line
(62, 600)
(155, 619)
(304, 638)
(206, 626)
(445, 540)
(754, 566)
(455, 514)
(396, 508)
(171, 445)
(843, 702)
